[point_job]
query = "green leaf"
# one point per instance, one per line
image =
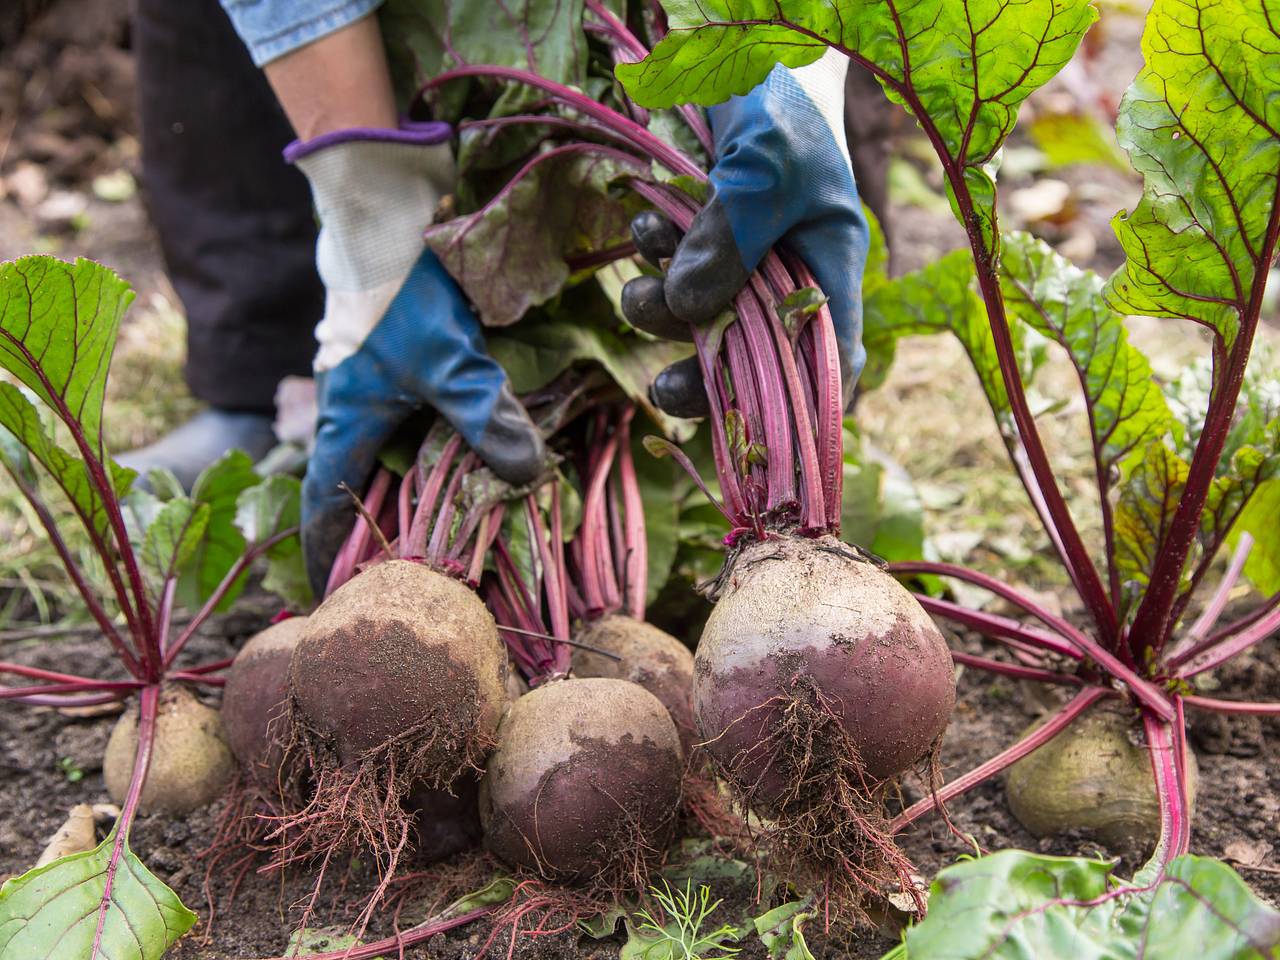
(51, 912)
(262, 512)
(426, 37)
(172, 537)
(797, 307)
(1014, 904)
(1148, 499)
(498, 890)
(1258, 519)
(320, 940)
(881, 510)
(219, 486)
(23, 421)
(780, 930)
(938, 298)
(58, 325)
(511, 254)
(1126, 408)
(1201, 125)
(684, 935)
(583, 329)
(962, 69)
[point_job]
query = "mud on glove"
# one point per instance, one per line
(397, 333)
(781, 174)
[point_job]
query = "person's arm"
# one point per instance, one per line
(338, 82)
(397, 334)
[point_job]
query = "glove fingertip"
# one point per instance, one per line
(644, 304)
(655, 236)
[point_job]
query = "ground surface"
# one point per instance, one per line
(66, 122)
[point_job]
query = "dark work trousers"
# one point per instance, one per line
(235, 221)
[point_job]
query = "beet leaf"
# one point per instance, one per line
(56, 908)
(1017, 904)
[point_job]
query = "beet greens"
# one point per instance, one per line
(58, 327)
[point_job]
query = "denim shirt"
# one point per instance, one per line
(272, 28)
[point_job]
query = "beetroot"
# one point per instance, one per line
(255, 702)
(807, 621)
(649, 657)
(585, 783)
(401, 667)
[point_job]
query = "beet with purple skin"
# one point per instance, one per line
(806, 620)
(585, 783)
(405, 661)
(255, 701)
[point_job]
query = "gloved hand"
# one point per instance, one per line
(781, 173)
(397, 333)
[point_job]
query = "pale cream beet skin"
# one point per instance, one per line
(400, 648)
(1094, 778)
(801, 615)
(191, 763)
(650, 657)
(586, 775)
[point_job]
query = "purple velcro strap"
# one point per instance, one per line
(425, 133)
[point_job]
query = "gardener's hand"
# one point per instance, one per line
(781, 173)
(397, 334)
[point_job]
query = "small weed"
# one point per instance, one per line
(70, 769)
(682, 937)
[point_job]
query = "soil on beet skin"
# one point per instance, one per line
(1238, 814)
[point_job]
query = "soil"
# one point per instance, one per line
(1237, 814)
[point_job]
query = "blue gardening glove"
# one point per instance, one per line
(781, 174)
(397, 334)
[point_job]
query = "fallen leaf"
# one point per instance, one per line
(1247, 853)
(76, 835)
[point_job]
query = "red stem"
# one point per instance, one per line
(147, 710)
(1264, 709)
(997, 627)
(215, 598)
(642, 139)
(35, 673)
(167, 593)
(1016, 670)
(1063, 718)
(86, 686)
(635, 563)
(1142, 689)
(594, 565)
(418, 530)
(400, 941)
(91, 601)
(1167, 747)
(1233, 646)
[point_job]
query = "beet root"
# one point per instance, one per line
(798, 618)
(818, 678)
(398, 682)
(585, 783)
(651, 658)
(255, 704)
(191, 763)
(1093, 778)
